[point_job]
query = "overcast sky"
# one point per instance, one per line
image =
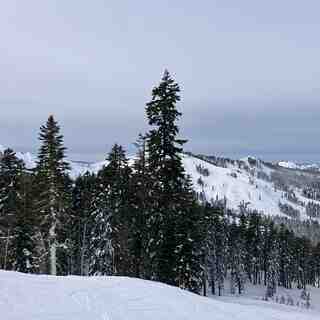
(249, 72)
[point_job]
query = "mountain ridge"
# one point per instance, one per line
(270, 188)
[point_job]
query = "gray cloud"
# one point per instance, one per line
(249, 73)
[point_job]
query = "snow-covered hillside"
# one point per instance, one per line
(244, 181)
(34, 297)
(248, 181)
(293, 165)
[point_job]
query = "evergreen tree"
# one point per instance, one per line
(110, 236)
(189, 239)
(236, 257)
(54, 199)
(168, 191)
(271, 259)
(101, 251)
(217, 248)
(11, 169)
(141, 207)
(26, 228)
(82, 194)
(17, 223)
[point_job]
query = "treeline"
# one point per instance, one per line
(142, 220)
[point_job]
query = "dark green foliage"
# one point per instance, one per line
(172, 259)
(82, 194)
(54, 200)
(111, 217)
(17, 222)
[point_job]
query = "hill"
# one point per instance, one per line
(274, 189)
(34, 297)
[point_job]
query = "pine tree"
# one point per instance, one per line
(10, 170)
(25, 257)
(236, 258)
(190, 238)
(101, 251)
(82, 194)
(217, 248)
(141, 207)
(17, 223)
(54, 199)
(271, 260)
(111, 217)
(168, 191)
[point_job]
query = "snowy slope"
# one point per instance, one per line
(236, 184)
(240, 185)
(34, 297)
(293, 165)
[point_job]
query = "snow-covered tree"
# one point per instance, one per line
(53, 199)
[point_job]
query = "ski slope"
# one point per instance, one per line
(34, 297)
(246, 187)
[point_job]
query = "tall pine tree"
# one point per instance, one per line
(164, 150)
(54, 199)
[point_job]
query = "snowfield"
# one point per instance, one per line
(34, 297)
(238, 185)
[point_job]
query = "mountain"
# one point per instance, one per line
(260, 185)
(77, 167)
(300, 166)
(41, 297)
(276, 189)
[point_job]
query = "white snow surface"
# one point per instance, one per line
(288, 164)
(34, 297)
(258, 194)
(293, 165)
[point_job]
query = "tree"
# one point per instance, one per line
(189, 239)
(82, 194)
(166, 247)
(142, 202)
(26, 227)
(236, 256)
(11, 169)
(17, 222)
(217, 247)
(101, 251)
(271, 259)
(110, 236)
(54, 198)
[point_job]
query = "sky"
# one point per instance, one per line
(249, 73)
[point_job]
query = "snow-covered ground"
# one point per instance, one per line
(34, 297)
(254, 294)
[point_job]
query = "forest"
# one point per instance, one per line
(143, 219)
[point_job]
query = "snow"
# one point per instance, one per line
(253, 295)
(34, 297)
(288, 164)
(293, 165)
(258, 193)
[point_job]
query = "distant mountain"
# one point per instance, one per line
(77, 167)
(283, 188)
(293, 165)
